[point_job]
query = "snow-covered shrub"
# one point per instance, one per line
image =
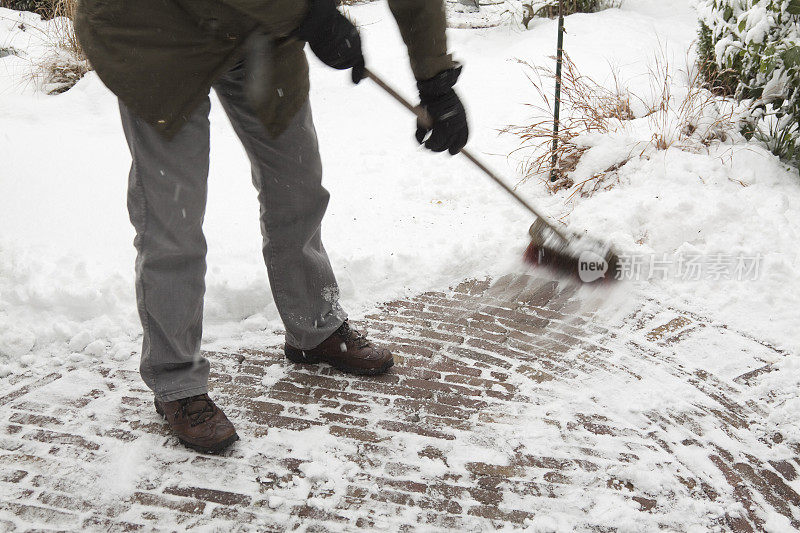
(587, 108)
(602, 127)
(58, 62)
(752, 47)
(66, 63)
(63, 34)
(549, 8)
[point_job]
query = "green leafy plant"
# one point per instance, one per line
(751, 49)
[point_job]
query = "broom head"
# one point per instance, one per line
(579, 258)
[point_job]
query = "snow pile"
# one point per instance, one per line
(778, 388)
(676, 183)
(732, 207)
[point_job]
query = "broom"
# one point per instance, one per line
(550, 247)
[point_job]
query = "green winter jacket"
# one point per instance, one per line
(160, 57)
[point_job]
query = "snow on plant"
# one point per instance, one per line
(532, 9)
(756, 43)
(66, 64)
(602, 128)
(588, 108)
(53, 54)
(549, 8)
(522, 12)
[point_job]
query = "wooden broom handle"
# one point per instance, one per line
(427, 122)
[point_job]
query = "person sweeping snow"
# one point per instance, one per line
(161, 58)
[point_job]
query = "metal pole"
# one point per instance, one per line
(557, 109)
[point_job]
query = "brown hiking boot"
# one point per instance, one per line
(198, 423)
(348, 350)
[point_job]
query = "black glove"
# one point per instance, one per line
(437, 97)
(333, 38)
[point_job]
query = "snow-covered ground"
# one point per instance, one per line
(401, 220)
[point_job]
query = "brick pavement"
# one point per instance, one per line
(509, 406)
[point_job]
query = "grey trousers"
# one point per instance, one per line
(166, 201)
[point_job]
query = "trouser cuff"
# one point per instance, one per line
(178, 395)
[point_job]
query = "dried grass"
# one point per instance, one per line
(591, 108)
(64, 32)
(67, 63)
(587, 107)
(677, 125)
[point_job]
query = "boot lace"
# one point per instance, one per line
(197, 409)
(359, 340)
